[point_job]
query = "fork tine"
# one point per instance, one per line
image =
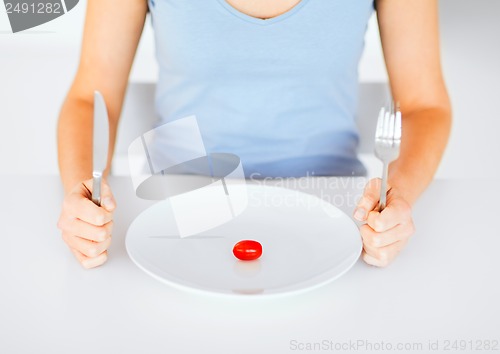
(386, 125)
(380, 121)
(392, 123)
(397, 127)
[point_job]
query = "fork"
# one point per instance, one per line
(387, 143)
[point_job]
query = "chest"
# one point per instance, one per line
(211, 39)
(263, 9)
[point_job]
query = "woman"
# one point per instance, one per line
(271, 81)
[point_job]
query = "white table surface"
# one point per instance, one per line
(443, 287)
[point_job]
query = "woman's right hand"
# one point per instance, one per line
(86, 228)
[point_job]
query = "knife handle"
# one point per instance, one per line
(96, 187)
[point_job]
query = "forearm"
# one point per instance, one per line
(424, 138)
(74, 140)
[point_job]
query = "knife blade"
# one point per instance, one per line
(100, 145)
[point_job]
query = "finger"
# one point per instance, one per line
(375, 239)
(371, 260)
(83, 229)
(383, 256)
(397, 212)
(107, 199)
(87, 262)
(84, 209)
(369, 200)
(88, 248)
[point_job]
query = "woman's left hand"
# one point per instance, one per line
(385, 233)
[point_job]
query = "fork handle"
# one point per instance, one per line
(383, 187)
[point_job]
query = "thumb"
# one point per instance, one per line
(369, 200)
(107, 200)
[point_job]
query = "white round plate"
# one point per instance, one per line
(306, 243)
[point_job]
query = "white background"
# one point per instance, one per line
(37, 67)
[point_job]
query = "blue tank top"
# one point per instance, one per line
(280, 93)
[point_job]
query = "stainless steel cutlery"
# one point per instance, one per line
(387, 143)
(100, 145)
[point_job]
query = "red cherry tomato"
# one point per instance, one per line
(247, 250)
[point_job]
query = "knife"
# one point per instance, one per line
(100, 145)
